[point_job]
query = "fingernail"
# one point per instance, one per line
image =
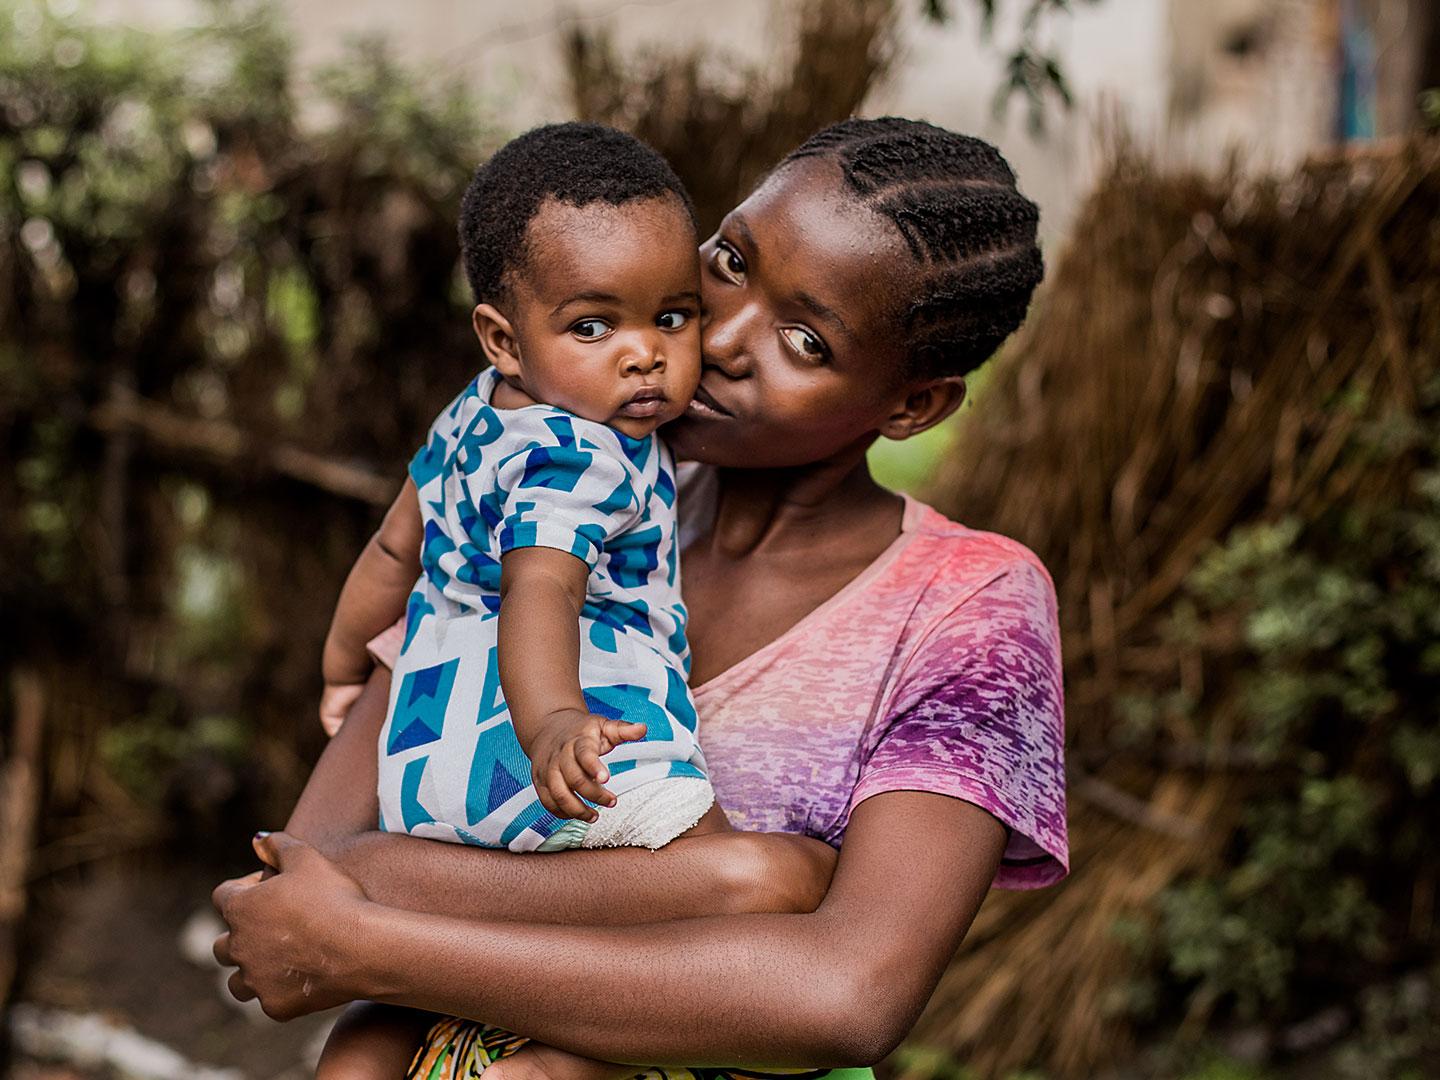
(262, 834)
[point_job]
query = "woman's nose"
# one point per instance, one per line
(724, 337)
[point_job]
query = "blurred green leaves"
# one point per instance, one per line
(1332, 623)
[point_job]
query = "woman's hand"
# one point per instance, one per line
(290, 931)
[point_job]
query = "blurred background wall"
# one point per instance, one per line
(1201, 79)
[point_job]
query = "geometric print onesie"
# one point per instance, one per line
(490, 481)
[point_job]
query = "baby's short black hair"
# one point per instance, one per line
(954, 201)
(575, 163)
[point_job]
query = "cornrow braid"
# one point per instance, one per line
(953, 200)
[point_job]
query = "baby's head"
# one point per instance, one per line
(580, 245)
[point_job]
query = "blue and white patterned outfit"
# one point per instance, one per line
(491, 481)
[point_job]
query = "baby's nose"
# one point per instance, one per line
(642, 360)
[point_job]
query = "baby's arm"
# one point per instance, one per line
(542, 591)
(373, 598)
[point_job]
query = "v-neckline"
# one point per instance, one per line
(909, 519)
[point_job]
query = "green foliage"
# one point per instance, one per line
(173, 236)
(1033, 69)
(1330, 626)
(144, 754)
(1397, 1034)
(1430, 107)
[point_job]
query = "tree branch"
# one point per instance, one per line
(223, 441)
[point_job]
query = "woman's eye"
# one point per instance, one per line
(672, 320)
(590, 329)
(728, 263)
(805, 343)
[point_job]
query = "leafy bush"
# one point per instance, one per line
(1334, 626)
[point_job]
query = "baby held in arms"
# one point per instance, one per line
(539, 701)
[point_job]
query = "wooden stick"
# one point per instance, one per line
(19, 814)
(221, 440)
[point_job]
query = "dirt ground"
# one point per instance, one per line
(111, 944)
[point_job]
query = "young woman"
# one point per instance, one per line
(868, 675)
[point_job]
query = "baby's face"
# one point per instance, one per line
(606, 312)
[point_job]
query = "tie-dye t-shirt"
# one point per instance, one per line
(937, 669)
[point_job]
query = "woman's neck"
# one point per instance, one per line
(776, 509)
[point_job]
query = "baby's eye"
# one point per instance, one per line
(590, 329)
(672, 320)
(728, 263)
(805, 343)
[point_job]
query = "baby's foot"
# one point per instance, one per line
(536, 1061)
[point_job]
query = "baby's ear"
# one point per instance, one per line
(497, 338)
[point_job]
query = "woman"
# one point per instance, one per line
(867, 673)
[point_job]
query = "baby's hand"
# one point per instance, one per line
(335, 702)
(565, 760)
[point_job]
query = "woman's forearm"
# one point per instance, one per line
(714, 874)
(839, 986)
(767, 986)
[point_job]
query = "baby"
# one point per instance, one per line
(540, 700)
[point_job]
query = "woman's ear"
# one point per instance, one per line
(497, 338)
(925, 407)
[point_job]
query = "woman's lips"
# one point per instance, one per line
(704, 406)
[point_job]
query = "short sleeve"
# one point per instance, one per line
(978, 714)
(566, 496)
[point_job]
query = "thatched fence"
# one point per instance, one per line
(1221, 431)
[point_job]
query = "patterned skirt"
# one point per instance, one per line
(460, 1049)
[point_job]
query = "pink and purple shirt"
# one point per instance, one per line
(936, 669)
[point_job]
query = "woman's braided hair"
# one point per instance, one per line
(954, 200)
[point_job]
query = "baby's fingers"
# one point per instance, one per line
(584, 784)
(616, 732)
(567, 803)
(587, 754)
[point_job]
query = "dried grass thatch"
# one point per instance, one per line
(1180, 379)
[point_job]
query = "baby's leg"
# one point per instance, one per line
(536, 1061)
(373, 1042)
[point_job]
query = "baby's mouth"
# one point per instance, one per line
(646, 402)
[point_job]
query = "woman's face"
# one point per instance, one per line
(799, 359)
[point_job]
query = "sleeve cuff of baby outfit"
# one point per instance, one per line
(584, 540)
(384, 647)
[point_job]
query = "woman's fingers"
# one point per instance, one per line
(239, 988)
(277, 848)
(226, 891)
(262, 850)
(221, 949)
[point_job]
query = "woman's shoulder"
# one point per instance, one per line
(956, 558)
